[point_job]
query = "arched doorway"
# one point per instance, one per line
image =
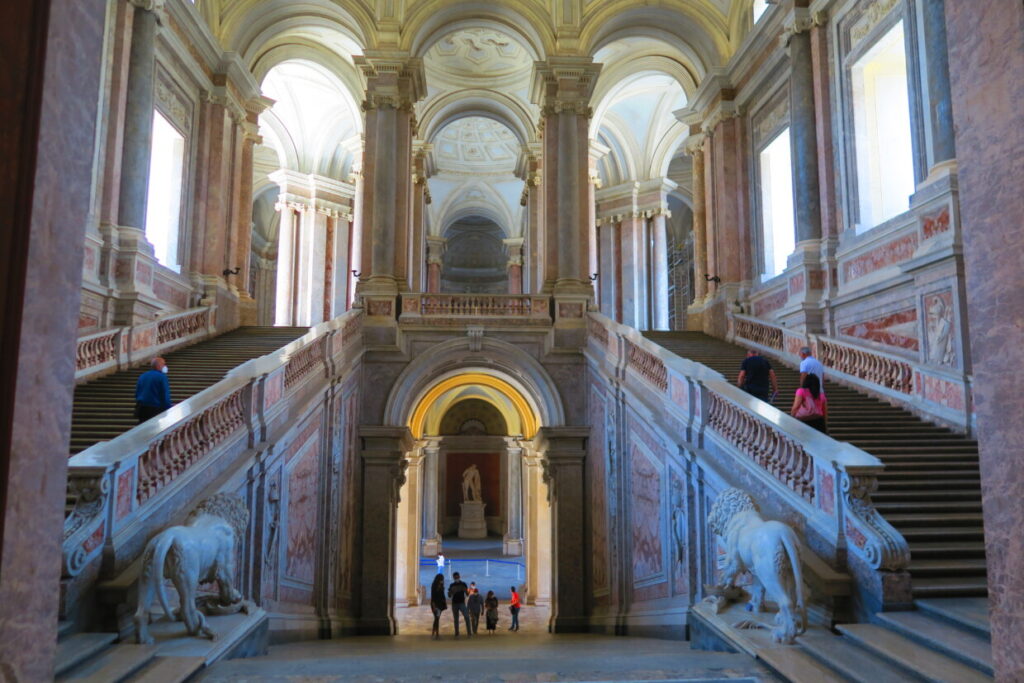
(478, 421)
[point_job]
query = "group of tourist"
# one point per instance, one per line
(467, 603)
(810, 406)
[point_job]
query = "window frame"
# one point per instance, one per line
(847, 57)
(764, 131)
(183, 204)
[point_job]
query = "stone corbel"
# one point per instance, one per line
(85, 527)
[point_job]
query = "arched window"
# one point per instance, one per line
(777, 222)
(883, 146)
(163, 206)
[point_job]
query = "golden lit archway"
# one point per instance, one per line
(523, 412)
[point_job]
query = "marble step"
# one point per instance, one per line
(945, 549)
(911, 656)
(934, 494)
(848, 659)
(935, 519)
(169, 670)
(943, 533)
(74, 650)
(947, 566)
(966, 586)
(970, 614)
(938, 634)
(928, 506)
(111, 666)
(797, 666)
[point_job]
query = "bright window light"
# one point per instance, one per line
(759, 8)
(163, 206)
(777, 220)
(881, 121)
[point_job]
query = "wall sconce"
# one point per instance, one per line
(228, 271)
(593, 277)
(712, 278)
(356, 273)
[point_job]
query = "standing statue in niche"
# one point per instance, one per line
(471, 485)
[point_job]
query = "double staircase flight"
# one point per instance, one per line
(930, 490)
(105, 408)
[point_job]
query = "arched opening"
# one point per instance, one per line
(474, 498)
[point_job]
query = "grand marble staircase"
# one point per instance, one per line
(930, 490)
(104, 408)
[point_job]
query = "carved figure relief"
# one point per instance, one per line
(939, 331)
(770, 551)
(200, 551)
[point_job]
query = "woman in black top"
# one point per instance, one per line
(491, 611)
(438, 604)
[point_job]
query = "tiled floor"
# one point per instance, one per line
(505, 658)
(418, 620)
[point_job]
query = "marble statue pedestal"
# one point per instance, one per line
(472, 523)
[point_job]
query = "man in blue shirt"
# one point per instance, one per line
(152, 392)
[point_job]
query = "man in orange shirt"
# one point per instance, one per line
(514, 608)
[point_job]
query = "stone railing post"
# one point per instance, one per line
(384, 461)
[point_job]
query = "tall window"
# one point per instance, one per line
(777, 222)
(163, 206)
(881, 122)
(759, 8)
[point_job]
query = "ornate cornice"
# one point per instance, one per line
(564, 84)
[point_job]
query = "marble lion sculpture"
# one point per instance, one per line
(201, 550)
(768, 550)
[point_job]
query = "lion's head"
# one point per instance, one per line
(228, 507)
(729, 503)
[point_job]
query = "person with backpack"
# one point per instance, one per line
(476, 604)
(491, 611)
(457, 591)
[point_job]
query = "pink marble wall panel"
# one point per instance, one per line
(885, 255)
(646, 514)
(826, 491)
(570, 310)
(680, 392)
(169, 293)
(143, 272)
(96, 539)
(771, 302)
(349, 500)
(816, 279)
(898, 329)
(125, 480)
(678, 535)
(938, 390)
(89, 260)
(855, 535)
(598, 489)
(935, 224)
(273, 389)
(796, 284)
(302, 514)
(272, 534)
(85, 320)
(143, 338)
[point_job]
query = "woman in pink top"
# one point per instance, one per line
(810, 405)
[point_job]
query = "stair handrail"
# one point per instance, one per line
(828, 482)
(114, 483)
(935, 393)
(117, 348)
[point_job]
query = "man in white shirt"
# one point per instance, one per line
(810, 365)
(440, 563)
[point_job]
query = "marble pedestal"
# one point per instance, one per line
(472, 523)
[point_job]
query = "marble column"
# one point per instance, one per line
(435, 257)
(284, 308)
(49, 116)
(562, 87)
(512, 543)
(537, 515)
(803, 136)
(409, 570)
(138, 128)
(384, 451)
(430, 543)
(563, 450)
(942, 141)
(633, 266)
(393, 86)
(659, 271)
(985, 63)
(418, 221)
(243, 221)
(606, 249)
(695, 148)
(515, 264)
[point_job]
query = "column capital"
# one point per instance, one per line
(147, 5)
(563, 84)
(694, 144)
(800, 20)
(393, 79)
